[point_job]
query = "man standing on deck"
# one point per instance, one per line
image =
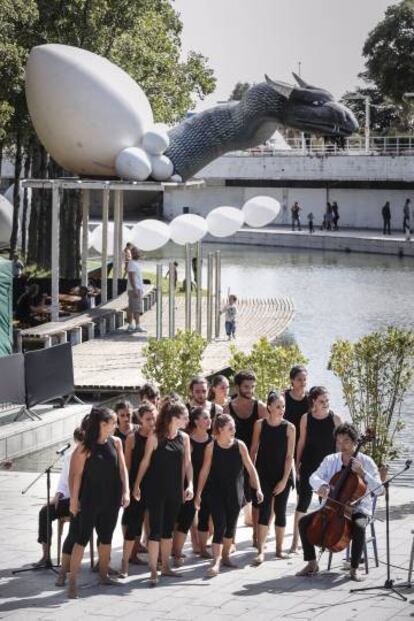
(135, 289)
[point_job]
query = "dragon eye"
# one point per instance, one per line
(316, 103)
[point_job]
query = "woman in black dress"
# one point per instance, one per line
(167, 459)
(316, 441)
(200, 438)
(224, 463)
(272, 450)
(297, 405)
(124, 422)
(133, 518)
(98, 481)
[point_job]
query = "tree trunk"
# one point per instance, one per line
(26, 173)
(16, 194)
(40, 210)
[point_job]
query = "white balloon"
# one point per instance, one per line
(150, 234)
(6, 220)
(96, 241)
(224, 221)
(155, 141)
(84, 108)
(260, 210)
(133, 163)
(162, 167)
(187, 229)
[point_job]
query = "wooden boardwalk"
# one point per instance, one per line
(114, 362)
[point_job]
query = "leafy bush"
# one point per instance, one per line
(270, 363)
(171, 362)
(375, 373)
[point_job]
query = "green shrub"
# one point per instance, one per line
(375, 373)
(270, 363)
(170, 363)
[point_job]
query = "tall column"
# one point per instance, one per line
(117, 249)
(210, 261)
(85, 202)
(199, 288)
(171, 300)
(55, 251)
(104, 268)
(188, 287)
(217, 293)
(158, 332)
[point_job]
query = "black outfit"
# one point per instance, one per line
(244, 432)
(122, 436)
(62, 510)
(100, 494)
(319, 443)
(386, 216)
(270, 465)
(133, 516)
(294, 411)
(188, 511)
(359, 524)
(165, 486)
(226, 481)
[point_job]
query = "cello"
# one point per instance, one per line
(331, 526)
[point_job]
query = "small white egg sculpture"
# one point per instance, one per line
(6, 220)
(133, 163)
(84, 108)
(156, 140)
(162, 167)
(150, 234)
(187, 229)
(260, 210)
(224, 221)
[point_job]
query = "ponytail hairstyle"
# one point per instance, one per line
(217, 380)
(93, 425)
(79, 432)
(195, 414)
(170, 408)
(221, 421)
(273, 396)
(294, 371)
(314, 393)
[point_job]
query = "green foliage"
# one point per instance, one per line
(170, 363)
(389, 52)
(239, 90)
(375, 373)
(271, 364)
(383, 113)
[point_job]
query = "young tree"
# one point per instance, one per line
(383, 113)
(239, 90)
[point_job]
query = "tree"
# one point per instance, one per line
(375, 373)
(383, 113)
(239, 90)
(271, 364)
(142, 37)
(389, 52)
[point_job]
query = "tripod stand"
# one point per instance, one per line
(48, 563)
(389, 583)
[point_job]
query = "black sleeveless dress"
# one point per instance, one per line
(226, 476)
(133, 515)
(244, 432)
(295, 410)
(270, 462)
(319, 443)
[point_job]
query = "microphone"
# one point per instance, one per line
(63, 449)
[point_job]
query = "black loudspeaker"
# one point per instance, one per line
(49, 374)
(12, 384)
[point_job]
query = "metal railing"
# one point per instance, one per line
(354, 145)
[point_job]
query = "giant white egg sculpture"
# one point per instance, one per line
(224, 221)
(84, 108)
(260, 210)
(6, 220)
(150, 234)
(187, 229)
(96, 241)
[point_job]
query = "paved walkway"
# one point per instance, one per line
(116, 360)
(265, 593)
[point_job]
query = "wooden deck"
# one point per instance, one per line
(114, 362)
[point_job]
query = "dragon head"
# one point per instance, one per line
(313, 109)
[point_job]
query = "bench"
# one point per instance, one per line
(106, 317)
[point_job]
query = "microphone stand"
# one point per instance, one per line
(389, 583)
(48, 563)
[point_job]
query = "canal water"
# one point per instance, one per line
(336, 295)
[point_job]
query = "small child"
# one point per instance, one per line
(310, 220)
(230, 311)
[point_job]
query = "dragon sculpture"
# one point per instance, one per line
(202, 138)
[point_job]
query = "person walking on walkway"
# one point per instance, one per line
(386, 217)
(295, 209)
(135, 290)
(406, 217)
(335, 215)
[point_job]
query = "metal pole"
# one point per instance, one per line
(199, 288)
(85, 201)
(121, 239)
(210, 259)
(171, 301)
(367, 122)
(104, 268)
(158, 331)
(55, 234)
(188, 287)
(117, 248)
(217, 293)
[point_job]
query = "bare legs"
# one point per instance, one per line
(295, 540)
(261, 539)
(221, 554)
(75, 561)
(154, 547)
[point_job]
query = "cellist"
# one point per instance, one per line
(346, 438)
